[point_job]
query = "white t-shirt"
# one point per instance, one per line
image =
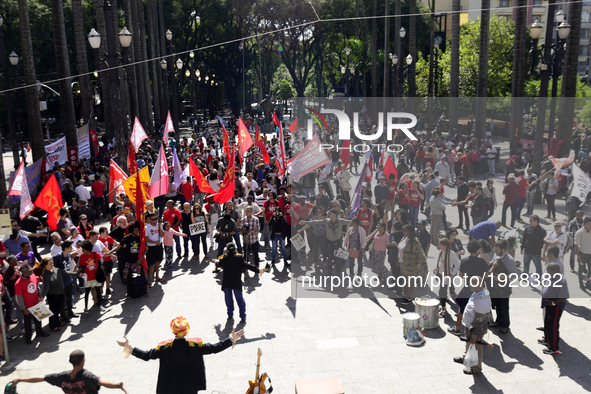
(99, 247)
(75, 241)
(153, 234)
(562, 238)
(55, 250)
(249, 186)
(242, 208)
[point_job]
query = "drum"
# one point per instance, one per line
(428, 309)
(409, 320)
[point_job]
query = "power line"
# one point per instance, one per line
(258, 35)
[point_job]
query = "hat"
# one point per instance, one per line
(231, 247)
(73, 228)
(511, 176)
(180, 326)
(423, 222)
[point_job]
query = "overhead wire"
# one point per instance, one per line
(271, 32)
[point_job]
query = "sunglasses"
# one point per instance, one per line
(83, 219)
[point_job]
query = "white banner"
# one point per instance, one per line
(56, 153)
(582, 184)
(83, 142)
(309, 159)
(197, 228)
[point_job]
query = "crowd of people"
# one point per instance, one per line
(375, 220)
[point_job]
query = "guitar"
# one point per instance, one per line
(258, 385)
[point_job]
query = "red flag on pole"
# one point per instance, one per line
(346, 153)
(293, 126)
(17, 183)
(50, 200)
(116, 177)
(140, 218)
(159, 182)
(225, 139)
(204, 186)
(228, 186)
(382, 158)
(138, 135)
(132, 163)
(168, 127)
(244, 138)
(390, 168)
(281, 156)
(260, 143)
(369, 170)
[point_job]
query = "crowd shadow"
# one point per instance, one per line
(482, 385)
(574, 365)
(513, 347)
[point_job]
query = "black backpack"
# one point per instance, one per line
(138, 285)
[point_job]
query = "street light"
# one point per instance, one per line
(179, 64)
(94, 39)
(163, 64)
(125, 41)
(172, 76)
(13, 57)
(169, 35)
(557, 54)
(125, 37)
(559, 16)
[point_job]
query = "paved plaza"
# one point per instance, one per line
(356, 339)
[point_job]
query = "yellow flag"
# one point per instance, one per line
(130, 184)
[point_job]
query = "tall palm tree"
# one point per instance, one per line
(397, 25)
(518, 77)
(454, 77)
(130, 71)
(569, 78)
(385, 91)
(62, 62)
(137, 54)
(161, 35)
(82, 59)
(110, 123)
(33, 111)
(149, 118)
(412, 50)
(155, 65)
(374, 51)
(482, 84)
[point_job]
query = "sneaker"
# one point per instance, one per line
(504, 330)
(543, 342)
(552, 352)
(85, 311)
(102, 308)
(453, 330)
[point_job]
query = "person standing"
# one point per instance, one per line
(463, 192)
(551, 186)
(503, 265)
(583, 251)
(154, 234)
(173, 216)
(437, 214)
(555, 238)
(182, 369)
(554, 297)
(78, 380)
(532, 244)
(511, 192)
(447, 267)
(489, 191)
(476, 321)
(532, 189)
(53, 289)
(249, 226)
(412, 260)
(64, 261)
(522, 182)
(26, 290)
(573, 226)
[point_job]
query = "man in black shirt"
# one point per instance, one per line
(118, 234)
(463, 192)
(133, 259)
(532, 244)
(31, 224)
(76, 381)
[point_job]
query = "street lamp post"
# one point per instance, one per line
(402, 71)
(192, 70)
(115, 118)
(163, 66)
(8, 96)
(347, 90)
(562, 33)
(125, 41)
(436, 75)
(175, 104)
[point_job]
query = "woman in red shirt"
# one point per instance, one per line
(415, 196)
(84, 228)
(91, 262)
(403, 196)
(365, 215)
(110, 243)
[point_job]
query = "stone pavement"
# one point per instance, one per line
(358, 340)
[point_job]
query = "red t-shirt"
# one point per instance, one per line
(2, 249)
(28, 288)
(414, 198)
(392, 188)
(522, 182)
(364, 215)
(98, 187)
(90, 262)
(109, 242)
(288, 213)
(403, 197)
(170, 215)
(187, 189)
(270, 207)
(281, 201)
(85, 231)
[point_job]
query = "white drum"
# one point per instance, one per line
(409, 320)
(428, 309)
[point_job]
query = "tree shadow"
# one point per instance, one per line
(574, 365)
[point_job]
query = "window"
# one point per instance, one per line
(585, 16)
(584, 34)
(583, 51)
(587, 2)
(537, 2)
(506, 3)
(582, 68)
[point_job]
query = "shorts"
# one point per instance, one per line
(154, 254)
(108, 265)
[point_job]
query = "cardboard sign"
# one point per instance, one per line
(40, 311)
(5, 226)
(197, 228)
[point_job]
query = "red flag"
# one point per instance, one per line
(17, 183)
(159, 182)
(228, 185)
(225, 141)
(390, 168)
(260, 143)
(116, 177)
(26, 203)
(281, 157)
(168, 127)
(293, 126)
(369, 170)
(204, 186)
(131, 161)
(94, 138)
(244, 138)
(140, 218)
(138, 135)
(346, 153)
(50, 200)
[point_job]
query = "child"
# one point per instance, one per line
(168, 242)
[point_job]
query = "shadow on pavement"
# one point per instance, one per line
(574, 365)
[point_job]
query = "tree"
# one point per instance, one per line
(518, 74)
(82, 59)
(33, 111)
(481, 87)
(454, 83)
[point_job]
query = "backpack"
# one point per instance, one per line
(138, 285)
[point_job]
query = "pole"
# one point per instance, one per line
(243, 86)
(132, 110)
(556, 72)
(401, 62)
(8, 97)
(175, 104)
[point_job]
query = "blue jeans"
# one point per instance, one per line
(520, 205)
(413, 215)
(278, 238)
(238, 243)
(239, 300)
(536, 258)
(177, 241)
